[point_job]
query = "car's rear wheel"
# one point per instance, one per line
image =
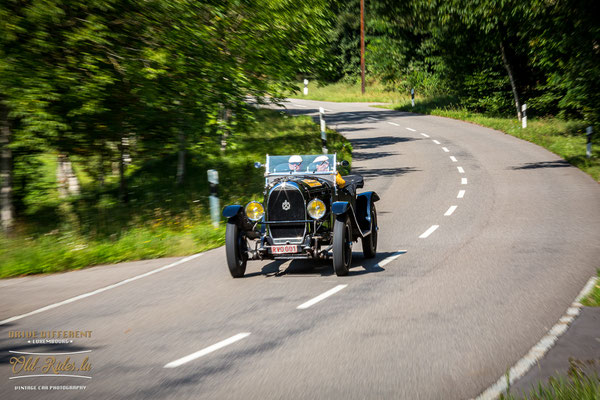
(235, 249)
(342, 245)
(369, 243)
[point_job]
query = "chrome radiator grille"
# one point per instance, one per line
(286, 203)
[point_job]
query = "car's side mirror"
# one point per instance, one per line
(257, 165)
(344, 163)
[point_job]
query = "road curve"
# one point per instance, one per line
(485, 240)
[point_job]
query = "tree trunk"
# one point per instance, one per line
(512, 80)
(6, 208)
(123, 195)
(181, 159)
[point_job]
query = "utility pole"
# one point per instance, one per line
(362, 46)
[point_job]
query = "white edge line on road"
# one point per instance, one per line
(411, 129)
(208, 350)
(446, 149)
(320, 297)
(461, 194)
(393, 123)
(460, 170)
(83, 296)
(453, 159)
(538, 351)
(450, 211)
(436, 142)
(423, 134)
(463, 181)
(429, 232)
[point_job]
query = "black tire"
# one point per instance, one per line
(342, 245)
(235, 249)
(369, 243)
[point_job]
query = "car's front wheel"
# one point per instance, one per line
(369, 243)
(342, 245)
(235, 249)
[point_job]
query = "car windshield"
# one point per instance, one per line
(301, 164)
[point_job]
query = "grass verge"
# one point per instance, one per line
(161, 219)
(593, 299)
(581, 383)
(351, 93)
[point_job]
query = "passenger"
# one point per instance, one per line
(294, 163)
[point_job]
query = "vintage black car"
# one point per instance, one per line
(309, 211)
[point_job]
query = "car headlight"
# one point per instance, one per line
(316, 209)
(254, 211)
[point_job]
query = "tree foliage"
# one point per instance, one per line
(103, 80)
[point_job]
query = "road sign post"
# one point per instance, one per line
(215, 208)
(588, 151)
(305, 87)
(412, 96)
(323, 130)
(524, 119)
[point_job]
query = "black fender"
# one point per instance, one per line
(363, 207)
(342, 208)
(232, 211)
(236, 213)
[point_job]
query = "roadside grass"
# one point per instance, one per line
(375, 92)
(593, 299)
(581, 383)
(161, 218)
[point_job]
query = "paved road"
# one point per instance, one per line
(444, 319)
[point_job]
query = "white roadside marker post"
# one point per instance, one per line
(588, 151)
(305, 87)
(412, 96)
(323, 130)
(213, 180)
(524, 119)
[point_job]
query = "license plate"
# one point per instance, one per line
(288, 248)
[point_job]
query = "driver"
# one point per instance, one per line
(294, 163)
(322, 163)
(323, 166)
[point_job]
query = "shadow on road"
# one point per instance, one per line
(543, 164)
(303, 268)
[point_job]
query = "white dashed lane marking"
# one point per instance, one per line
(436, 142)
(460, 170)
(208, 350)
(372, 119)
(463, 181)
(393, 123)
(428, 232)
(450, 211)
(411, 129)
(321, 297)
(453, 158)
(424, 134)
(445, 149)
(461, 193)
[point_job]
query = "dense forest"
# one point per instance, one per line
(105, 82)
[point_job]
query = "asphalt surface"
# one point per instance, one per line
(444, 319)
